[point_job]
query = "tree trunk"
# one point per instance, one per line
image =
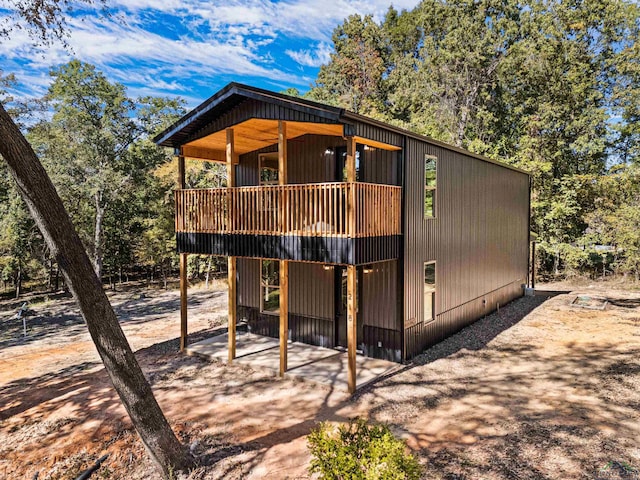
(50, 279)
(206, 281)
(97, 237)
(19, 280)
(50, 216)
(164, 275)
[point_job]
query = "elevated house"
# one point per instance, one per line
(342, 231)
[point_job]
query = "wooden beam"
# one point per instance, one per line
(201, 153)
(282, 152)
(352, 330)
(284, 314)
(232, 307)
(183, 301)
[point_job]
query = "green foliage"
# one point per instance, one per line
(550, 87)
(360, 451)
(354, 77)
(97, 151)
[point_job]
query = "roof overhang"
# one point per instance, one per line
(233, 94)
(258, 133)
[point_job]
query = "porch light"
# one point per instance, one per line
(367, 147)
(367, 269)
(328, 151)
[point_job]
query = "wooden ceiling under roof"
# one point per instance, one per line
(256, 133)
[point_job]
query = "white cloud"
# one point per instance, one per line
(177, 47)
(310, 58)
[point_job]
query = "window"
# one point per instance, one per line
(429, 186)
(268, 168)
(429, 291)
(270, 287)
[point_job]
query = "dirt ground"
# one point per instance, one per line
(542, 389)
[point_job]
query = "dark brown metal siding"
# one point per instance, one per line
(479, 240)
(378, 134)
(308, 162)
(248, 282)
(380, 166)
(311, 290)
(379, 304)
(255, 109)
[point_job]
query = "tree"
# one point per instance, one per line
(91, 149)
(353, 77)
(548, 86)
(50, 216)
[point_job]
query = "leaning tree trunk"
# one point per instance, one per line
(97, 236)
(53, 221)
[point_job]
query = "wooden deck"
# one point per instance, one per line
(321, 209)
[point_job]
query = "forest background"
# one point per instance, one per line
(552, 87)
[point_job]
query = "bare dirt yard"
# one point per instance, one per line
(546, 388)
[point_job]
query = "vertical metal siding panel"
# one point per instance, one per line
(373, 132)
(307, 161)
(380, 166)
(379, 297)
(248, 282)
(247, 170)
(478, 240)
(311, 290)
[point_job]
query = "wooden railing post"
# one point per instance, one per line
(345, 209)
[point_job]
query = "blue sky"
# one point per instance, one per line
(192, 48)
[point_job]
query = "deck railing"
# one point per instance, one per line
(319, 209)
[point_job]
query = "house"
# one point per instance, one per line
(346, 232)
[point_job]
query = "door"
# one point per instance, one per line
(341, 306)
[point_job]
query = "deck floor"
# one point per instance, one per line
(317, 364)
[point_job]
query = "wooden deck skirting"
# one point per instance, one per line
(318, 210)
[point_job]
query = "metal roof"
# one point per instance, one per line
(235, 93)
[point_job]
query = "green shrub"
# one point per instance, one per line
(360, 451)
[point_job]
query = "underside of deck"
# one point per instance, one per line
(317, 364)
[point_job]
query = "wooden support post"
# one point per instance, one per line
(282, 176)
(183, 301)
(232, 307)
(284, 314)
(351, 178)
(351, 159)
(232, 160)
(282, 152)
(352, 330)
(183, 266)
